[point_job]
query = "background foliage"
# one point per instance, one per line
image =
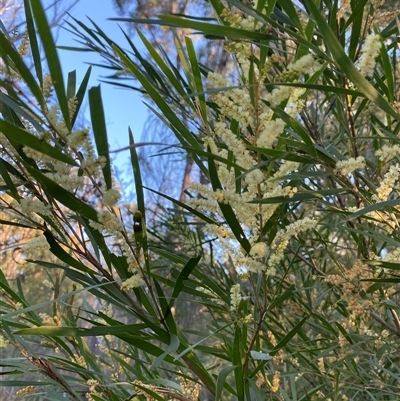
(285, 249)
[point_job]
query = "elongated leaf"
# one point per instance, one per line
(372, 208)
(52, 59)
(292, 13)
(65, 331)
(184, 60)
(298, 128)
(257, 393)
(169, 255)
(22, 383)
(279, 300)
(184, 135)
(384, 56)
(288, 336)
(172, 348)
(184, 206)
(33, 41)
(58, 251)
(356, 18)
(81, 94)
(137, 175)
(382, 280)
(304, 196)
(323, 88)
(100, 131)
(12, 170)
(6, 287)
(165, 309)
(152, 394)
(260, 356)
(227, 210)
(9, 182)
(97, 240)
(196, 74)
(18, 111)
(237, 360)
(206, 28)
(383, 264)
(198, 344)
(183, 275)
(7, 52)
(17, 134)
(61, 298)
(346, 65)
(165, 383)
(71, 84)
(221, 380)
(11, 223)
(62, 195)
(164, 68)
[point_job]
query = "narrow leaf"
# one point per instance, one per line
(237, 360)
(260, 356)
(9, 182)
(183, 276)
(65, 331)
(137, 175)
(227, 210)
(221, 380)
(71, 84)
(173, 346)
(346, 65)
(8, 51)
(62, 195)
(52, 58)
(100, 131)
(279, 300)
(288, 336)
(58, 251)
(33, 41)
(17, 134)
(81, 94)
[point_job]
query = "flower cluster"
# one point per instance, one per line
(387, 153)
(235, 297)
(386, 186)
(353, 283)
(93, 389)
(233, 102)
(269, 131)
(189, 388)
(25, 391)
(283, 237)
(258, 125)
(3, 342)
(133, 282)
(111, 197)
(29, 205)
(236, 20)
(369, 52)
(345, 167)
(213, 297)
(37, 244)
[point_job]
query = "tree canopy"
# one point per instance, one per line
(275, 278)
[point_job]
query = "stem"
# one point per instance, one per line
(253, 339)
(383, 323)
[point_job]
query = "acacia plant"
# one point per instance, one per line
(289, 247)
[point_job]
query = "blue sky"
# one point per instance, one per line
(122, 107)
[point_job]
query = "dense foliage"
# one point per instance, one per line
(276, 279)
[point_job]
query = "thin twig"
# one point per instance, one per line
(253, 339)
(383, 323)
(138, 145)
